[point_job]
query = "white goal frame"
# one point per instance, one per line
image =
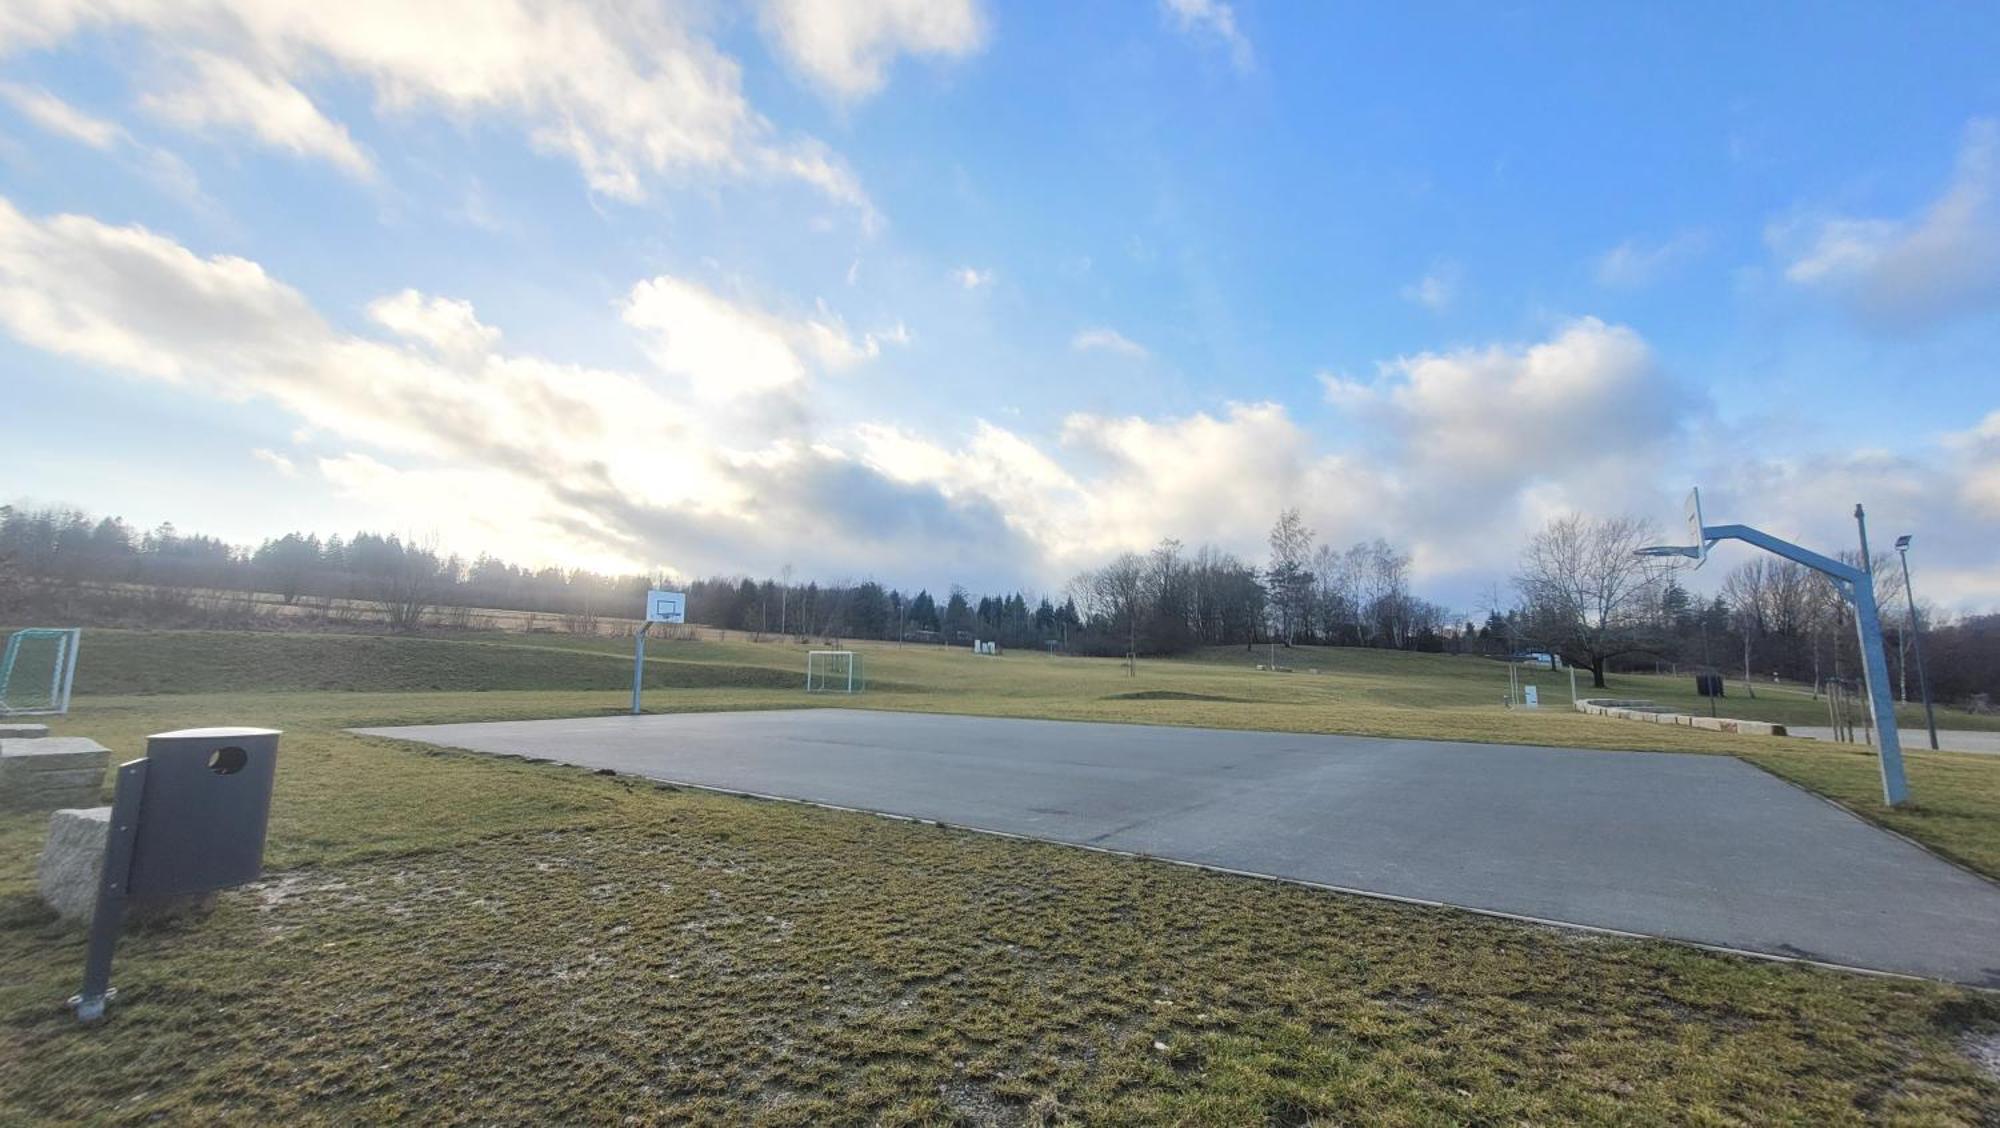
(834, 671)
(42, 698)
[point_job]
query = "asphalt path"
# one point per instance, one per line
(1918, 739)
(1705, 849)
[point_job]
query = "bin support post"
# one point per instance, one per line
(109, 915)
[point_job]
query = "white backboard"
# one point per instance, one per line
(666, 607)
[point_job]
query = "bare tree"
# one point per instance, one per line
(1386, 590)
(1290, 578)
(1747, 591)
(1588, 596)
(412, 583)
(1331, 594)
(1355, 568)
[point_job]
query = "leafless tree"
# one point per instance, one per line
(1588, 596)
(1289, 576)
(408, 592)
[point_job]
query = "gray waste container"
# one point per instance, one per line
(188, 818)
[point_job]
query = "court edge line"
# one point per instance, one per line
(1394, 898)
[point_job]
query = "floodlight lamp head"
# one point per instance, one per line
(1903, 543)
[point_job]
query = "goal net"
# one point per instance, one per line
(36, 669)
(834, 671)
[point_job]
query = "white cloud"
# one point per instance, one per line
(1212, 19)
(1437, 290)
(275, 461)
(629, 91)
(165, 170)
(59, 117)
(450, 327)
(1904, 273)
(1635, 263)
(1593, 388)
(1480, 444)
(224, 92)
(1978, 448)
(1105, 339)
(972, 278)
(845, 46)
(728, 350)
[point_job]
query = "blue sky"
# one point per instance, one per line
(956, 291)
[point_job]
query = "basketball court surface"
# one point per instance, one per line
(1704, 849)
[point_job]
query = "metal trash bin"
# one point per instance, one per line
(188, 818)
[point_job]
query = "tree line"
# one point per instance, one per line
(1580, 593)
(1585, 596)
(1163, 602)
(68, 566)
(1169, 600)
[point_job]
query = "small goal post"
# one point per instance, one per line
(37, 669)
(834, 671)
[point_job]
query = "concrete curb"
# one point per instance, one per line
(1647, 711)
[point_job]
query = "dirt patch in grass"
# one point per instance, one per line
(1983, 1047)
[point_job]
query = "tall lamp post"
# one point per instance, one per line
(1916, 637)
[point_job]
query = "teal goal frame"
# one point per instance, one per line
(62, 672)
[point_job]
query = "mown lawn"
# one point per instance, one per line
(449, 938)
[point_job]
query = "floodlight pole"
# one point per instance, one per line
(1859, 587)
(1917, 638)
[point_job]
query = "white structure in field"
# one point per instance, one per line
(661, 607)
(36, 671)
(834, 671)
(991, 649)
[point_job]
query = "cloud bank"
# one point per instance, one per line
(1916, 271)
(712, 458)
(633, 93)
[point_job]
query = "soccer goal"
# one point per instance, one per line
(36, 670)
(834, 671)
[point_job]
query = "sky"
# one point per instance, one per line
(937, 291)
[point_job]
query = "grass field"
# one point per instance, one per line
(447, 937)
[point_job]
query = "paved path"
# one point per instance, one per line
(1916, 738)
(1700, 848)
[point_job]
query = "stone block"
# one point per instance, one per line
(43, 774)
(11, 731)
(73, 860)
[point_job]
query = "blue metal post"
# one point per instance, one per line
(639, 666)
(1859, 587)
